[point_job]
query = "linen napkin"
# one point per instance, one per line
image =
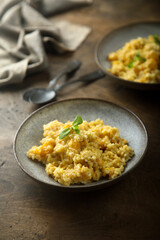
(24, 30)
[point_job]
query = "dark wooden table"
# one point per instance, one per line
(129, 209)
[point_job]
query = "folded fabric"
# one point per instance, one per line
(24, 31)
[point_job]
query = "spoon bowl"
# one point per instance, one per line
(41, 95)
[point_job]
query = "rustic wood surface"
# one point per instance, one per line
(127, 210)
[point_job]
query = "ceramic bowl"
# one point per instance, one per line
(31, 132)
(115, 40)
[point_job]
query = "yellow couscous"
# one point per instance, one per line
(97, 151)
(138, 60)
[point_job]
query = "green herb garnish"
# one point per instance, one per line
(130, 65)
(156, 39)
(143, 59)
(140, 58)
(136, 57)
(77, 121)
(75, 126)
(64, 133)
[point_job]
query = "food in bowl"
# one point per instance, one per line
(81, 152)
(138, 60)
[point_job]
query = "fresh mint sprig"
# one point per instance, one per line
(75, 126)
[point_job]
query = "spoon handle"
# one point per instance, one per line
(88, 78)
(71, 67)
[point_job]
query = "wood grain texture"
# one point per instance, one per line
(127, 210)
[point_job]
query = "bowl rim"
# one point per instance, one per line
(116, 78)
(94, 185)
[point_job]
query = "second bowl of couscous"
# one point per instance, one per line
(130, 55)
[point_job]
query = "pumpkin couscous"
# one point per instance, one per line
(138, 60)
(97, 151)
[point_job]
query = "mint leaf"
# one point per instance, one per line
(64, 133)
(156, 39)
(139, 57)
(77, 121)
(142, 59)
(136, 57)
(76, 129)
(130, 65)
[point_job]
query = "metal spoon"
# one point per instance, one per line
(39, 97)
(46, 92)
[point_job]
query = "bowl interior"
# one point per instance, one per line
(31, 132)
(116, 39)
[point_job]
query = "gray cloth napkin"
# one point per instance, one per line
(24, 30)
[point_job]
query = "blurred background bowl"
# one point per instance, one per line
(115, 40)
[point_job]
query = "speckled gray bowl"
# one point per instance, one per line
(31, 130)
(115, 40)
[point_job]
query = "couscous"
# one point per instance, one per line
(94, 151)
(138, 60)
